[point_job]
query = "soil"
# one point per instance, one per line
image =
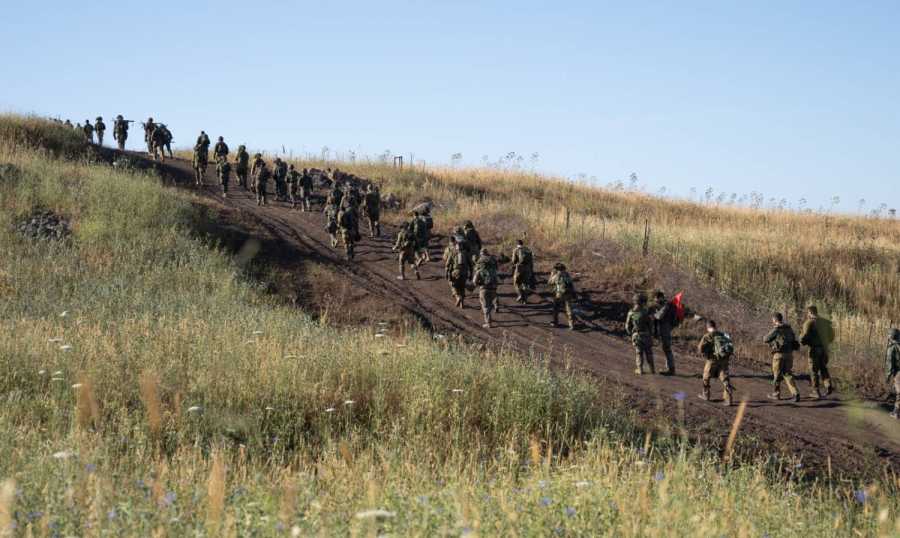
(838, 435)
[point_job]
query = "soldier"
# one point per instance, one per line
(639, 326)
(817, 335)
(406, 246)
(88, 130)
(200, 161)
(165, 140)
(148, 131)
(372, 209)
(293, 178)
(664, 321)
(242, 165)
(68, 123)
(331, 225)
(523, 271)
(456, 268)
(158, 141)
(429, 226)
(892, 367)
(466, 249)
(220, 150)
(717, 348)
(305, 189)
(472, 238)
(120, 131)
(258, 162)
(203, 140)
(784, 343)
(100, 128)
(223, 170)
(279, 174)
(563, 294)
(420, 230)
(487, 280)
(335, 197)
(348, 222)
(260, 180)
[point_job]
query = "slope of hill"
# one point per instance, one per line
(152, 386)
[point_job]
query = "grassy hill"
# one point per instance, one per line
(152, 388)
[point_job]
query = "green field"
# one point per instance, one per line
(151, 388)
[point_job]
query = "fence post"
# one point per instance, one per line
(646, 246)
(567, 219)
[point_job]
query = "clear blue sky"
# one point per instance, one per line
(791, 99)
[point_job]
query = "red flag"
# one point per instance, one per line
(679, 306)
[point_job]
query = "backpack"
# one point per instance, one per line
(723, 347)
(564, 284)
(527, 258)
(825, 330)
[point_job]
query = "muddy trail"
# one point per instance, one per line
(836, 435)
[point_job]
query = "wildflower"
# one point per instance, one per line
(279, 526)
(295, 531)
(63, 454)
(330, 410)
(439, 337)
(546, 501)
(270, 408)
(457, 391)
(349, 402)
(680, 396)
(570, 511)
(861, 496)
(169, 498)
(401, 345)
(54, 340)
(56, 379)
(659, 476)
(542, 484)
(57, 373)
(379, 335)
(194, 409)
(257, 333)
(35, 515)
(90, 468)
(64, 313)
(77, 386)
(65, 347)
(582, 484)
(112, 514)
(42, 372)
(375, 514)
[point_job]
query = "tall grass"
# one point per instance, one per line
(150, 390)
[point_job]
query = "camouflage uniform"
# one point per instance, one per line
(120, 131)
(242, 165)
(372, 208)
(467, 250)
(88, 130)
(783, 342)
(305, 188)
(149, 127)
(331, 225)
(420, 230)
(223, 170)
(100, 128)
(258, 162)
(279, 174)
(472, 239)
(523, 272)
(165, 139)
(201, 157)
(715, 367)
(563, 294)
(456, 269)
(639, 326)
(260, 181)
(348, 221)
(335, 197)
(406, 246)
(818, 353)
(158, 142)
(487, 282)
(892, 368)
(220, 150)
(664, 322)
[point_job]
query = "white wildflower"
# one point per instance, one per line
(57, 373)
(54, 340)
(42, 372)
(77, 386)
(349, 402)
(269, 408)
(64, 313)
(65, 347)
(63, 455)
(375, 514)
(582, 484)
(257, 333)
(457, 391)
(194, 409)
(330, 410)
(295, 531)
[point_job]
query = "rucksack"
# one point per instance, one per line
(825, 330)
(564, 284)
(723, 347)
(527, 257)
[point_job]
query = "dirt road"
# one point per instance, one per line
(851, 436)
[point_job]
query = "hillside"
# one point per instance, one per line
(156, 384)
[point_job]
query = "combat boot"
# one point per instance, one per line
(774, 396)
(828, 388)
(418, 276)
(487, 322)
(705, 394)
(727, 397)
(817, 394)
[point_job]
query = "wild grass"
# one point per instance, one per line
(149, 389)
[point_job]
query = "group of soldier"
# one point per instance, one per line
(469, 264)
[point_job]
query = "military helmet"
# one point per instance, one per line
(258, 156)
(119, 117)
(469, 224)
(241, 147)
(459, 230)
(895, 335)
(559, 266)
(484, 251)
(150, 120)
(221, 139)
(99, 118)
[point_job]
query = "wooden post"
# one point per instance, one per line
(567, 219)
(646, 246)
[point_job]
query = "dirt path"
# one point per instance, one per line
(851, 436)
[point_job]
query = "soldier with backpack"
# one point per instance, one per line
(335, 197)
(258, 162)
(260, 181)
(466, 248)
(120, 131)
(420, 230)
(331, 225)
(892, 368)
(784, 343)
(472, 238)
(665, 319)
(406, 246)
(639, 326)
(372, 208)
(149, 126)
(242, 165)
(220, 150)
(100, 128)
(523, 271)
(223, 170)
(88, 131)
(487, 280)
(818, 335)
(563, 294)
(348, 222)
(717, 348)
(279, 174)
(304, 190)
(456, 268)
